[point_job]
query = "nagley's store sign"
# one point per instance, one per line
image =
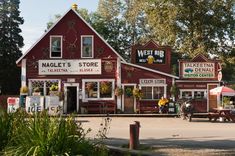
(143, 54)
(198, 70)
(69, 67)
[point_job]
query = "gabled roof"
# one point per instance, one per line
(151, 70)
(200, 57)
(18, 61)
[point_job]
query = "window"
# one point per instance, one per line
(87, 47)
(187, 95)
(43, 85)
(199, 94)
(193, 94)
(155, 92)
(98, 89)
(56, 46)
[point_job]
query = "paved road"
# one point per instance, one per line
(168, 132)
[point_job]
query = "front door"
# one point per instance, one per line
(212, 99)
(71, 99)
(128, 100)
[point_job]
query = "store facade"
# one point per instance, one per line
(72, 55)
(88, 71)
(197, 77)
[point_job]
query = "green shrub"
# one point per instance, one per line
(42, 135)
(5, 128)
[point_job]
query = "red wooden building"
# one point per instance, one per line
(72, 55)
(197, 77)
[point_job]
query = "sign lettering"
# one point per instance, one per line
(69, 67)
(198, 70)
(142, 55)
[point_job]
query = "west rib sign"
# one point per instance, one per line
(142, 56)
(198, 70)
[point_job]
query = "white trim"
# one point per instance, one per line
(192, 91)
(61, 45)
(98, 93)
(44, 85)
(92, 46)
(157, 85)
(212, 81)
(65, 95)
(119, 83)
(56, 24)
(208, 92)
(151, 70)
(23, 72)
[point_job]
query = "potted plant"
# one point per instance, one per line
(118, 91)
(105, 87)
(137, 93)
(24, 90)
(36, 91)
(54, 90)
(174, 90)
(128, 92)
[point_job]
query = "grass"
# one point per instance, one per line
(42, 135)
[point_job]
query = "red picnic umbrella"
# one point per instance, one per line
(222, 90)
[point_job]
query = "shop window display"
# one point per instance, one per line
(99, 89)
(155, 92)
(42, 85)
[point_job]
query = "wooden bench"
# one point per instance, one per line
(99, 107)
(213, 116)
(148, 107)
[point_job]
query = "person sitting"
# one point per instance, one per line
(162, 103)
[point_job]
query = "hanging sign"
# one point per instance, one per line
(34, 104)
(198, 70)
(219, 76)
(12, 104)
(152, 81)
(69, 67)
(150, 56)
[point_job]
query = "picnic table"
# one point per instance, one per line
(225, 113)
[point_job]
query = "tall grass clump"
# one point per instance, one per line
(5, 128)
(42, 135)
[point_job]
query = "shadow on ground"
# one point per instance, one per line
(163, 146)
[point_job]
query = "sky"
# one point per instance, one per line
(37, 13)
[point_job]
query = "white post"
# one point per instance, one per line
(119, 83)
(23, 72)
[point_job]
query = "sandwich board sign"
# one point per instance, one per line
(13, 103)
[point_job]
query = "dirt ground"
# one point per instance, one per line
(170, 136)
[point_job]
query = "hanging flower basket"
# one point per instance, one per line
(137, 93)
(128, 92)
(105, 87)
(118, 91)
(54, 90)
(24, 90)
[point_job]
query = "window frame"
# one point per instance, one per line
(152, 86)
(193, 91)
(61, 45)
(84, 99)
(92, 46)
(30, 81)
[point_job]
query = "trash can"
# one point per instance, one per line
(171, 108)
(22, 100)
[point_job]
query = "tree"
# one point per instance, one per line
(10, 43)
(193, 26)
